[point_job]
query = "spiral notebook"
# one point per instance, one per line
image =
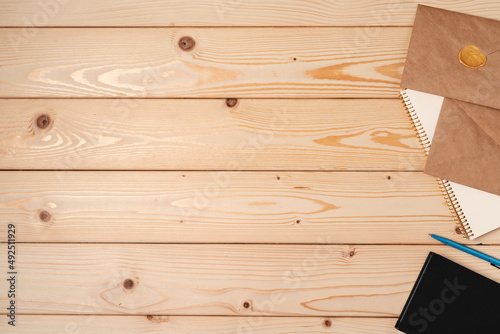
(475, 211)
(450, 298)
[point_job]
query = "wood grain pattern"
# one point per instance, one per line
(49, 324)
(185, 134)
(227, 13)
(315, 280)
(225, 207)
(226, 62)
(301, 209)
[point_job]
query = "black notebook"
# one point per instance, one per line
(449, 298)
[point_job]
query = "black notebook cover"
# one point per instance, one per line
(449, 298)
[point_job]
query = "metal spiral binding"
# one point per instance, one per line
(445, 186)
(422, 136)
(459, 215)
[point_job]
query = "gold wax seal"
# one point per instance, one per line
(471, 56)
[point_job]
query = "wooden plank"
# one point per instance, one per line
(263, 280)
(226, 12)
(286, 207)
(225, 62)
(185, 134)
(50, 324)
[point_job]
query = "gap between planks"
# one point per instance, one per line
(118, 324)
(206, 27)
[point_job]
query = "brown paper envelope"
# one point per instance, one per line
(466, 149)
(486, 118)
(432, 63)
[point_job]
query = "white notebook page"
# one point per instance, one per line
(480, 208)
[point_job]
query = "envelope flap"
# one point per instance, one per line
(488, 119)
(462, 29)
(462, 152)
(433, 65)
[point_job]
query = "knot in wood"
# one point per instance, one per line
(186, 43)
(43, 121)
(231, 102)
(45, 216)
(128, 284)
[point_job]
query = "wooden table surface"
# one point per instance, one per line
(220, 166)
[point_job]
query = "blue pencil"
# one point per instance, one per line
(493, 261)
